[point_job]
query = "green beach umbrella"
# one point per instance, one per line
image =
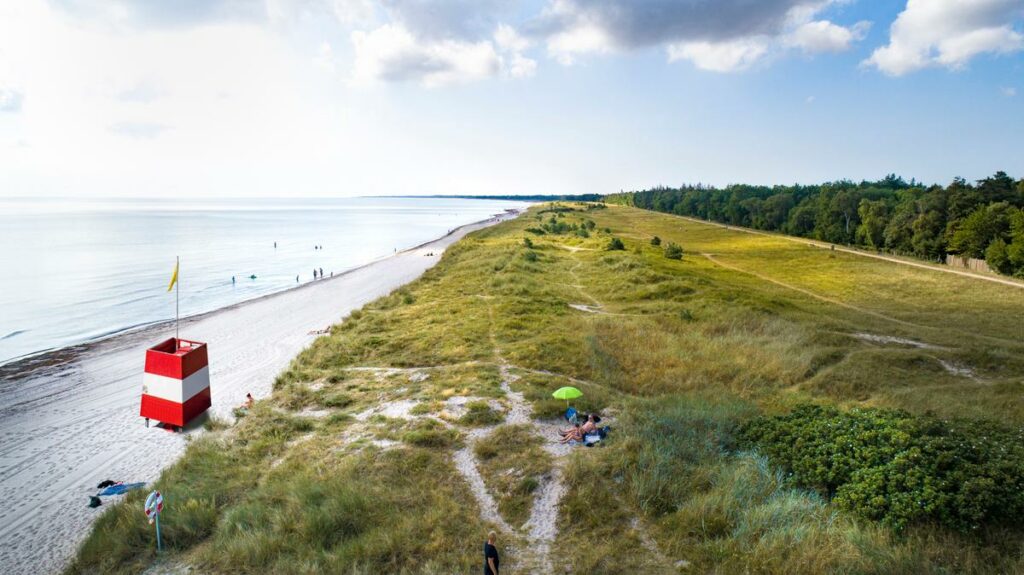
(567, 393)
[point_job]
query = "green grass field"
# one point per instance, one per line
(369, 456)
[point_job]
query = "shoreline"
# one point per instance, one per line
(70, 419)
(27, 365)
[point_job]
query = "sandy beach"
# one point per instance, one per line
(69, 419)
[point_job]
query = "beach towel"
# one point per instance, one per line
(591, 439)
(121, 488)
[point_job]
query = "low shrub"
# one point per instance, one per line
(480, 413)
(655, 241)
(615, 244)
(673, 251)
(429, 433)
(337, 399)
(899, 468)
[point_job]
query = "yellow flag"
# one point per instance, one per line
(174, 278)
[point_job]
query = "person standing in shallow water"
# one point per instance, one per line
(491, 559)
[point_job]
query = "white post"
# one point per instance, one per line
(177, 290)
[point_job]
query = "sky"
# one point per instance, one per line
(290, 98)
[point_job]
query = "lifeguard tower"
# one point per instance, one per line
(176, 384)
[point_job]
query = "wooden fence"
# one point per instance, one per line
(967, 263)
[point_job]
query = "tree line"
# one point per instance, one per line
(983, 220)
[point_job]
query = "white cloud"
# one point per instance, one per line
(508, 39)
(1009, 92)
(722, 36)
(324, 58)
(391, 53)
(96, 104)
(565, 45)
(10, 100)
(139, 130)
(720, 56)
(353, 11)
(824, 36)
(140, 93)
(948, 33)
(512, 45)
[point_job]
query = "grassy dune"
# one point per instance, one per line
(352, 465)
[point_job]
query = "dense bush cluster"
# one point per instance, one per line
(673, 251)
(900, 468)
(981, 220)
(558, 225)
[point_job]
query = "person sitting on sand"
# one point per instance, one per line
(249, 401)
(591, 421)
(580, 431)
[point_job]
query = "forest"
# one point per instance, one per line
(983, 220)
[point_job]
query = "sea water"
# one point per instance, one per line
(72, 271)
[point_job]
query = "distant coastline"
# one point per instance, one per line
(513, 198)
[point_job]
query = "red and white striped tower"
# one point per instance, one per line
(176, 385)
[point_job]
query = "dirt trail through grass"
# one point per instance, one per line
(824, 245)
(846, 305)
(807, 292)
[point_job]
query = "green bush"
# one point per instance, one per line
(673, 251)
(615, 244)
(655, 241)
(527, 242)
(530, 256)
(900, 468)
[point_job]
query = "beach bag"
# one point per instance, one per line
(571, 415)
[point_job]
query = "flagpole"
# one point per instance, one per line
(177, 290)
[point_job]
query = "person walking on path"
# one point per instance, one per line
(491, 559)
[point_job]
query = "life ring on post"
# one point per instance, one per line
(154, 505)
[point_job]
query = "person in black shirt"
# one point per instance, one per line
(491, 559)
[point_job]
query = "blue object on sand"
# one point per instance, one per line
(570, 415)
(121, 488)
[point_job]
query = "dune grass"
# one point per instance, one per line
(512, 465)
(347, 467)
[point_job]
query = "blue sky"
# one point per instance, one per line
(354, 97)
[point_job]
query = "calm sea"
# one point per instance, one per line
(73, 271)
